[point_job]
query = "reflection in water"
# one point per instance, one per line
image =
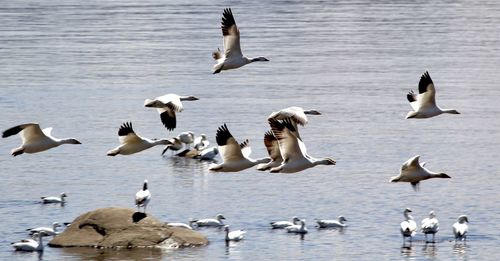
(460, 249)
(114, 254)
(406, 250)
(429, 250)
(232, 250)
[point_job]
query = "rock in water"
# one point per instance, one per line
(123, 227)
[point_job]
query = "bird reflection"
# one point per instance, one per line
(406, 250)
(429, 250)
(460, 249)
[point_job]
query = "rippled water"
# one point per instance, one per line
(84, 67)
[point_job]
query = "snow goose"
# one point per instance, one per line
(30, 244)
(414, 172)
(201, 142)
(284, 224)
(298, 229)
(174, 145)
(235, 156)
(339, 223)
(235, 235)
(60, 199)
(186, 137)
(143, 196)
(233, 57)
(293, 150)
(460, 228)
(424, 104)
(167, 105)
(297, 116)
(48, 231)
(210, 222)
(34, 139)
(208, 154)
(430, 225)
(181, 225)
(408, 227)
(273, 149)
(132, 143)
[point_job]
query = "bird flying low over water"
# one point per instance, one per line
(132, 143)
(293, 150)
(236, 157)
(34, 139)
(414, 172)
(167, 105)
(273, 149)
(424, 104)
(297, 116)
(232, 57)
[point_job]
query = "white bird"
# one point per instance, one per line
(297, 116)
(460, 228)
(132, 143)
(236, 235)
(210, 222)
(414, 172)
(273, 149)
(424, 104)
(181, 225)
(293, 150)
(430, 225)
(143, 196)
(186, 137)
(34, 139)
(339, 223)
(48, 231)
(60, 199)
(174, 145)
(284, 224)
(29, 244)
(167, 105)
(298, 229)
(408, 227)
(236, 157)
(201, 142)
(208, 154)
(233, 57)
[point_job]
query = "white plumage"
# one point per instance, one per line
(201, 142)
(299, 228)
(284, 224)
(48, 231)
(143, 196)
(30, 244)
(34, 139)
(132, 143)
(167, 105)
(235, 235)
(413, 172)
(460, 228)
(210, 222)
(52, 199)
(296, 115)
(408, 227)
(424, 104)
(338, 223)
(430, 225)
(232, 57)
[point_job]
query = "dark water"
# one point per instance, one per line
(84, 67)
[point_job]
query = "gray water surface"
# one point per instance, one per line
(84, 67)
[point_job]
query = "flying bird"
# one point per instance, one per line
(424, 104)
(414, 172)
(132, 143)
(232, 57)
(167, 105)
(34, 139)
(297, 116)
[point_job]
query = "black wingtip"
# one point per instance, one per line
(168, 121)
(425, 80)
(411, 96)
(125, 129)
(227, 21)
(222, 135)
(12, 131)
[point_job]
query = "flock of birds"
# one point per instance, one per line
(286, 149)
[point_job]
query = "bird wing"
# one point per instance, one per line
(272, 145)
(30, 132)
(411, 164)
(171, 101)
(167, 117)
(246, 150)
(426, 90)
(290, 146)
(127, 135)
(296, 113)
(231, 34)
(413, 99)
(228, 146)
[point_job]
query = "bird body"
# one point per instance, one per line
(208, 154)
(201, 142)
(284, 224)
(232, 57)
(29, 244)
(143, 196)
(295, 115)
(60, 199)
(235, 156)
(424, 104)
(167, 105)
(181, 225)
(132, 143)
(408, 227)
(338, 223)
(175, 144)
(273, 150)
(186, 137)
(34, 139)
(298, 229)
(235, 235)
(293, 150)
(430, 225)
(210, 222)
(413, 172)
(48, 231)
(460, 228)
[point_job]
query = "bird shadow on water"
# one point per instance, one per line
(138, 216)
